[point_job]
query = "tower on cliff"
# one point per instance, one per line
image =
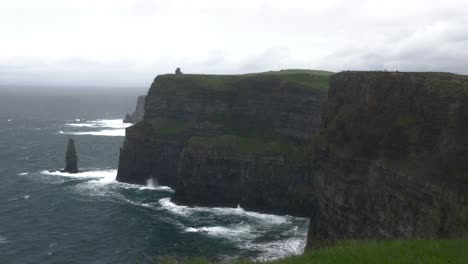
(71, 159)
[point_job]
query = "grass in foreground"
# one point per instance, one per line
(349, 252)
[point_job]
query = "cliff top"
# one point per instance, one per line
(296, 78)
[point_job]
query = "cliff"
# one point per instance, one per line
(279, 109)
(391, 158)
(385, 156)
(139, 113)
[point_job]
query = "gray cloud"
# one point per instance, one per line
(128, 42)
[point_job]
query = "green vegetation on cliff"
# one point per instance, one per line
(250, 146)
(291, 79)
(371, 252)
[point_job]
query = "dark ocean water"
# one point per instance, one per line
(53, 217)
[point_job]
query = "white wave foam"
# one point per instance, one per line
(104, 176)
(238, 232)
(23, 173)
(105, 132)
(167, 204)
(3, 240)
(101, 123)
(108, 127)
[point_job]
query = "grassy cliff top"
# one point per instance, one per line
(250, 146)
(292, 79)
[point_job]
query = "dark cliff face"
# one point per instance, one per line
(279, 109)
(139, 113)
(384, 157)
(71, 159)
(392, 157)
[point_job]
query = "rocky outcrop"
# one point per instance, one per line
(139, 113)
(71, 159)
(391, 159)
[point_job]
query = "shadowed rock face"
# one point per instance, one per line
(71, 159)
(392, 158)
(139, 113)
(269, 114)
(384, 157)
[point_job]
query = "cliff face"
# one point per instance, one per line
(267, 112)
(392, 158)
(139, 113)
(385, 157)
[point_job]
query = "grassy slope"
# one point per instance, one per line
(360, 252)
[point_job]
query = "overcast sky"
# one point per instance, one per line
(129, 42)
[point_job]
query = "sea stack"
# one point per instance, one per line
(71, 159)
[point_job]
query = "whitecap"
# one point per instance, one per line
(167, 204)
(105, 132)
(104, 176)
(9, 120)
(3, 240)
(101, 123)
(26, 197)
(107, 127)
(23, 173)
(152, 184)
(238, 232)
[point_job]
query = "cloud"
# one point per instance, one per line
(128, 42)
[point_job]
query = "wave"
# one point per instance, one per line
(101, 123)
(105, 132)
(103, 175)
(167, 204)
(100, 178)
(3, 240)
(107, 127)
(23, 173)
(238, 232)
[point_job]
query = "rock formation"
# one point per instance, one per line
(71, 159)
(139, 113)
(178, 71)
(391, 159)
(384, 157)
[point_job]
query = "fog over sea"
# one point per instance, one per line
(51, 217)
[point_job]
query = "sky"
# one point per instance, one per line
(129, 42)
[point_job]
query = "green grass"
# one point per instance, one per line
(370, 252)
(292, 79)
(250, 146)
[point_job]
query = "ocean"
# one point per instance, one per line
(47, 216)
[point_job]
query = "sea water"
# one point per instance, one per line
(47, 216)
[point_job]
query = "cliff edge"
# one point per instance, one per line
(139, 112)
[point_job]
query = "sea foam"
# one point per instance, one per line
(102, 127)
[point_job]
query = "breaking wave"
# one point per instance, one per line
(186, 210)
(3, 240)
(100, 127)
